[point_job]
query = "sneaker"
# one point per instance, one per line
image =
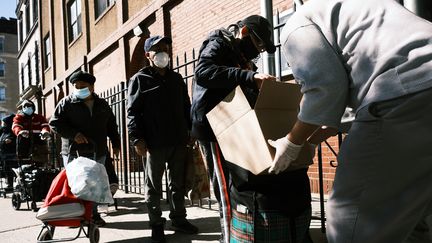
(97, 220)
(158, 235)
(184, 227)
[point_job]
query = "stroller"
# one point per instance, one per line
(62, 208)
(32, 182)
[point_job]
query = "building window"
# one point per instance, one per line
(35, 11)
(47, 52)
(20, 30)
(101, 6)
(2, 93)
(282, 65)
(22, 77)
(1, 43)
(2, 69)
(27, 18)
(75, 26)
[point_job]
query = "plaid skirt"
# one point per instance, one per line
(270, 226)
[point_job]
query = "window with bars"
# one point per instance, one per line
(101, 6)
(74, 17)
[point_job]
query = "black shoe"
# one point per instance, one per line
(97, 220)
(184, 226)
(158, 235)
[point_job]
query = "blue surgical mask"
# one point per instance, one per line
(28, 110)
(82, 93)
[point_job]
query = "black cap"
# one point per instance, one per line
(262, 28)
(82, 76)
(28, 102)
(151, 41)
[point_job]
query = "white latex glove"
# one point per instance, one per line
(24, 133)
(286, 152)
(45, 135)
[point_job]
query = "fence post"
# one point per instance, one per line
(123, 134)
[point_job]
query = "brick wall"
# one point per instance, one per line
(329, 159)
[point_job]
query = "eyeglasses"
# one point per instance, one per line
(257, 41)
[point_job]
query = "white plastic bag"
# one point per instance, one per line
(88, 180)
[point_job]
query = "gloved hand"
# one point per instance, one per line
(286, 152)
(45, 135)
(24, 133)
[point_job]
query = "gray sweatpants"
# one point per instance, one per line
(383, 186)
(175, 157)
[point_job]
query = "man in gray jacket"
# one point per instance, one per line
(376, 58)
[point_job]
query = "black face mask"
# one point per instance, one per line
(248, 48)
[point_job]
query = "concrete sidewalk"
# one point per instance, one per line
(127, 224)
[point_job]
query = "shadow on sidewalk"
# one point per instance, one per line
(209, 230)
(136, 240)
(128, 225)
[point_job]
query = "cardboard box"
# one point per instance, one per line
(242, 131)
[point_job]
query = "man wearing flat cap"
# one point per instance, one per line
(85, 119)
(226, 61)
(158, 122)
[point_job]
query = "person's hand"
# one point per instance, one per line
(80, 138)
(8, 141)
(116, 152)
(286, 152)
(24, 133)
(261, 77)
(141, 148)
(45, 135)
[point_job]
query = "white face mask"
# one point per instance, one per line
(161, 59)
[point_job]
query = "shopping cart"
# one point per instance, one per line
(32, 180)
(63, 209)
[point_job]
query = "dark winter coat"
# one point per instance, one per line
(72, 116)
(158, 108)
(7, 133)
(218, 72)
